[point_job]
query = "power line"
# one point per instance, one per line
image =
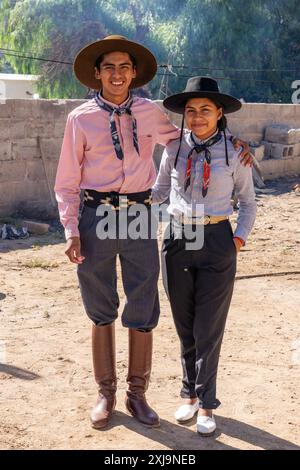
(163, 66)
(237, 79)
(229, 69)
(33, 58)
(15, 53)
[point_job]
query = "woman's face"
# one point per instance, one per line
(201, 116)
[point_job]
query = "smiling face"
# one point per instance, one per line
(116, 72)
(201, 116)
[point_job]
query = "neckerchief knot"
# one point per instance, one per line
(198, 148)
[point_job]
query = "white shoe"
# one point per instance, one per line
(186, 412)
(206, 425)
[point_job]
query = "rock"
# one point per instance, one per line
(282, 134)
(37, 228)
(279, 151)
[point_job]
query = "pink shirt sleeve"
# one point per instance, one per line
(165, 130)
(68, 176)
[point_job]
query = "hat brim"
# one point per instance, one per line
(84, 62)
(176, 103)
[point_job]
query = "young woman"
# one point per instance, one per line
(200, 170)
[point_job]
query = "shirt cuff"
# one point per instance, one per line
(241, 240)
(241, 233)
(69, 232)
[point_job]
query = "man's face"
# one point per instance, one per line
(116, 74)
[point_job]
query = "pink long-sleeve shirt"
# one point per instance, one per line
(88, 159)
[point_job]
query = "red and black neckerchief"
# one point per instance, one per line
(207, 160)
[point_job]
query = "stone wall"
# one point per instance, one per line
(31, 133)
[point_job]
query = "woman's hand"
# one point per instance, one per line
(238, 243)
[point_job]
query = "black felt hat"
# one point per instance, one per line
(202, 87)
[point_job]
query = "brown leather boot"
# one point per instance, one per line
(104, 360)
(139, 369)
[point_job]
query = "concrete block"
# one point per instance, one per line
(4, 129)
(50, 148)
(272, 168)
(22, 192)
(258, 152)
(26, 149)
(51, 167)
(36, 227)
(34, 170)
(46, 129)
(263, 111)
(17, 130)
(25, 109)
(297, 113)
(12, 170)
(52, 109)
(59, 129)
(72, 104)
(282, 134)
(246, 111)
(277, 151)
(287, 112)
(5, 109)
(5, 151)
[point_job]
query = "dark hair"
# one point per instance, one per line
(222, 122)
(101, 58)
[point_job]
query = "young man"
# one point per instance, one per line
(107, 151)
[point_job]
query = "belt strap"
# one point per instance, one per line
(205, 220)
(116, 200)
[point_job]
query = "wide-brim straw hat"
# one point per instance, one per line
(84, 63)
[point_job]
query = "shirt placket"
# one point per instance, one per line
(126, 139)
(196, 185)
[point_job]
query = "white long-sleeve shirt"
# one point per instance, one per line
(223, 180)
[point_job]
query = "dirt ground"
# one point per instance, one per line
(46, 379)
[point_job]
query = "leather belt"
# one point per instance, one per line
(116, 200)
(205, 220)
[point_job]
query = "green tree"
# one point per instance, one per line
(252, 47)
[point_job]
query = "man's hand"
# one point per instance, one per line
(245, 155)
(73, 250)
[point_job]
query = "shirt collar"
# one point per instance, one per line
(114, 105)
(199, 141)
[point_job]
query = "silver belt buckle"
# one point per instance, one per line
(202, 220)
(206, 220)
(196, 220)
(123, 201)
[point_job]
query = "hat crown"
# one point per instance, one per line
(115, 36)
(196, 84)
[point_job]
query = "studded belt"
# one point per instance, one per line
(116, 200)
